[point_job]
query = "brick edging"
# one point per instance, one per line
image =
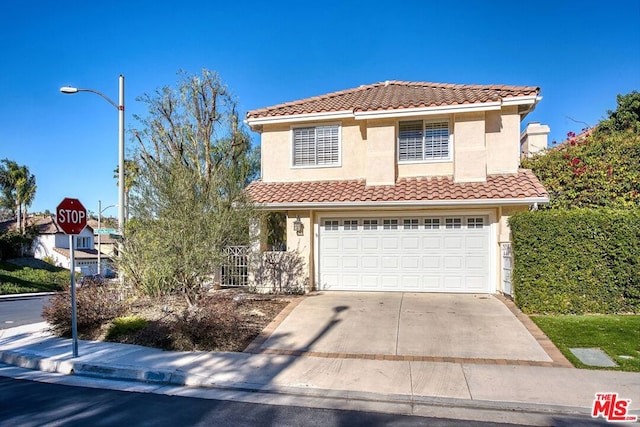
(559, 360)
(263, 336)
(392, 357)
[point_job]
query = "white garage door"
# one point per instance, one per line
(417, 254)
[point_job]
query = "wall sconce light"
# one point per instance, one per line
(298, 226)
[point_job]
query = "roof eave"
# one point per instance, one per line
(406, 203)
(527, 101)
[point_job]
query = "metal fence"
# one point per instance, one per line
(235, 269)
(507, 267)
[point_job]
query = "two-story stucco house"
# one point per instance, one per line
(399, 186)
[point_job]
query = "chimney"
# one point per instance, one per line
(533, 139)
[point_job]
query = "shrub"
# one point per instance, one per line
(577, 261)
(125, 326)
(212, 324)
(95, 306)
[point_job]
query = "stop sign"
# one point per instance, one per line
(71, 216)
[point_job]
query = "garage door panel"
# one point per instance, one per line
(390, 243)
(331, 262)
(370, 243)
(453, 283)
(411, 243)
(351, 243)
(332, 242)
(453, 262)
(370, 282)
(453, 242)
(476, 242)
(411, 262)
(429, 258)
(476, 263)
(411, 282)
(390, 281)
(390, 262)
(431, 262)
(351, 262)
(476, 283)
(432, 242)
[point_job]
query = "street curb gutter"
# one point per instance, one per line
(26, 295)
(176, 377)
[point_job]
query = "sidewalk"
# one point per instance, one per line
(537, 389)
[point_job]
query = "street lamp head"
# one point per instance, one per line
(69, 89)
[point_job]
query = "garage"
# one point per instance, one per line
(448, 253)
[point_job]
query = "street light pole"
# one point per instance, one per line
(120, 107)
(121, 218)
(100, 210)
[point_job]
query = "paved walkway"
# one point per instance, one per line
(416, 385)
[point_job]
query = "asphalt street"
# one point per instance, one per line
(22, 310)
(27, 403)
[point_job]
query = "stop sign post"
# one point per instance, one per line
(71, 217)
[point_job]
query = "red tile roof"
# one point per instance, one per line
(393, 95)
(523, 185)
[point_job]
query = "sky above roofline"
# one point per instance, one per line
(581, 55)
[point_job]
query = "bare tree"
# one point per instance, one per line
(188, 202)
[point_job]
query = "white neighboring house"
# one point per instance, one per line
(53, 243)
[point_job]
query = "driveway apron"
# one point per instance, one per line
(406, 324)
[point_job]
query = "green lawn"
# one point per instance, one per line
(616, 335)
(16, 279)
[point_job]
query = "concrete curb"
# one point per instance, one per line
(27, 295)
(176, 377)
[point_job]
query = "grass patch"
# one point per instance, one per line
(16, 279)
(124, 326)
(616, 335)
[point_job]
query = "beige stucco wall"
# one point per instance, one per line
(469, 150)
(483, 143)
(381, 153)
(303, 245)
(502, 132)
(276, 155)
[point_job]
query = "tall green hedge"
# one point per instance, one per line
(577, 261)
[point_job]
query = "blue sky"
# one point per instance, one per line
(581, 53)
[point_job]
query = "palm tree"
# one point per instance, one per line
(25, 192)
(131, 172)
(18, 187)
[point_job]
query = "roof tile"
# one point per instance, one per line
(393, 95)
(522, 185)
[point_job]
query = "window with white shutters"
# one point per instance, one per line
(422, 140)
(316, 146)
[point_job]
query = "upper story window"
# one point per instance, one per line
(83, 242)
(423, 140)
(316, 146)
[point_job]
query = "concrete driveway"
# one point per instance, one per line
(449, 326)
